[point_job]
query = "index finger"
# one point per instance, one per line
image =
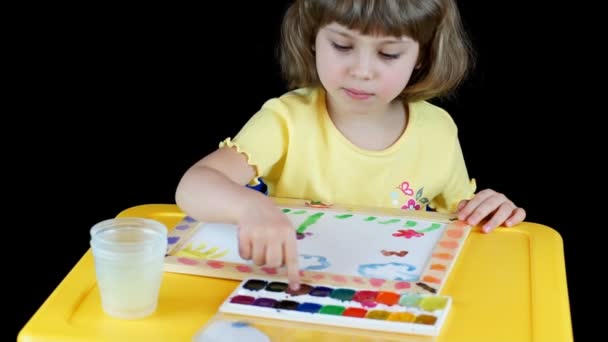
(291, 261)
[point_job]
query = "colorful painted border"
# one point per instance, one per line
(432, 278)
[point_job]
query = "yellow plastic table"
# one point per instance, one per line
(509, 285)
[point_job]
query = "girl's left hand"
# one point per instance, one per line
(488, 203)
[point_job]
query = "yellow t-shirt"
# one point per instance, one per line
(299, 153)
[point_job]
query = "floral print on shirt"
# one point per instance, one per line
(414, 200)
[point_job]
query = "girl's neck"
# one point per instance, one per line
(375, 129)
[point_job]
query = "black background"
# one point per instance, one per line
(111, 111)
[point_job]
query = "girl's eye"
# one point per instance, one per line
(382, 54)
(390, 55)
(340, 47)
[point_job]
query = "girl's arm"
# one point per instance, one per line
(213, 190)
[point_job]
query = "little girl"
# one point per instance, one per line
(356, 127)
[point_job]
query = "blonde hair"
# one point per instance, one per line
(445, 54)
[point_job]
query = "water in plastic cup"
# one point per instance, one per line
(129, 255)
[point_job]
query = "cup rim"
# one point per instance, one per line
(127, 221)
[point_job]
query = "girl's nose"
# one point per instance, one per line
(362, 67)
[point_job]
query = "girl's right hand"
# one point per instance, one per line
(267, 237)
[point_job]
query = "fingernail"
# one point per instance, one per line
(295, 287)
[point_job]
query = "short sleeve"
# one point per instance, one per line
(263, 139)
(458, 185)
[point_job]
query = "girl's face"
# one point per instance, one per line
(363, 73)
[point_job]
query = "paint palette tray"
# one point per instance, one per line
(349, 307)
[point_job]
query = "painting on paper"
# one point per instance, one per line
(343, 245)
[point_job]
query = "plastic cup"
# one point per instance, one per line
(129, 256)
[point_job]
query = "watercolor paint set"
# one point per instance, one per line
(330, 305)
